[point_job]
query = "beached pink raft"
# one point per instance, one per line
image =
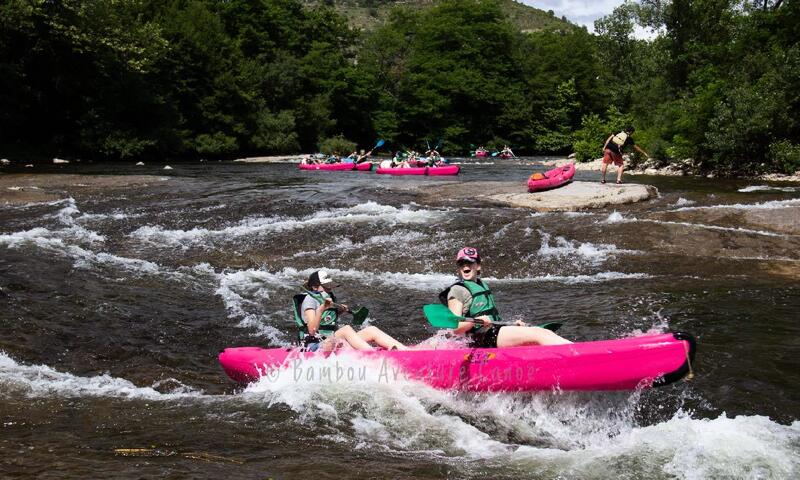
(552, 179)
(361, 167)
(445, 170)
(624, 364)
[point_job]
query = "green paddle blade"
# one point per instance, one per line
(440, 316)
(359, 315)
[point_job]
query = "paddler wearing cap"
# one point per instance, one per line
(317, 317)
(471, 297)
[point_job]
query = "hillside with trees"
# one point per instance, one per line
(369, 14)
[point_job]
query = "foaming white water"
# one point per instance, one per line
(682, 447)
(380, 407)
(41, 381)
(712, 227)
(590, 252)
(772, 205)
(342, 244)
(766, 188)
(615, 217)
(369, 212)
(54, 242)
(242, 293)
(580, 435)
(574, 279)
(238, 288)
(90, 217)
(682, 202)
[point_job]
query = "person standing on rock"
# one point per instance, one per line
(612, 151)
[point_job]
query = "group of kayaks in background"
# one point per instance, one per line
(402, 163)
(430, 163)
(506, 152)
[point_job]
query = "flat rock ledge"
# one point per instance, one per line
(569, 198)
(21, 188)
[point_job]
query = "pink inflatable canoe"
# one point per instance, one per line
(446, 170)
(552, 179)
(624, 364)
(481, 153)
(361, 167)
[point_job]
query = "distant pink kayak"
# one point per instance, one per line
(336, 167)
(481, 153)
(445, 170)
(624, 364)
(552, 179)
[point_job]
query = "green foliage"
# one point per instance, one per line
(785, 156)
(588, 141)
(215, 144)
(275, 132)
(553, 128)
(120, 79)
(337, 145)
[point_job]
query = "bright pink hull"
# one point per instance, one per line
(361, 167)
(553, 179)
(446, 170)
(505, 155)
(625, 364)
(481, 154)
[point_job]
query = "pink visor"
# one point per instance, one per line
(468, 254)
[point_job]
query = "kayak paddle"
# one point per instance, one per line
(439, 316)
(359, 314)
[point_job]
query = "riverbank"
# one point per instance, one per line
(273, 159)
(671, 170)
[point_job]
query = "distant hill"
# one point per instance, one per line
(366, 14)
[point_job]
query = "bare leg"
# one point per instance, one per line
(349, 335)
(513, 336)
(375, 334)
(620, 169)
(603, 171)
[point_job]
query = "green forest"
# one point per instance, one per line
(143, 79)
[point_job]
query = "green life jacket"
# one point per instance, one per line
(482, 301)
(328, 324)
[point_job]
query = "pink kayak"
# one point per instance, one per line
(361, 167)
(624, 364)
(552, 179)
(506, 155)
(481, 153)
(446, 170)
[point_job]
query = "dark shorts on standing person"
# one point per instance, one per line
(485, 339)
(611, 157)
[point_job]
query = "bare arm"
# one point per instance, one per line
(314, 316)
(456, 307)
(641, 151)
(607, 140)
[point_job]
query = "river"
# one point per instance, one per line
(116, 302)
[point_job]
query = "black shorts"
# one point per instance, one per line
(487, 339)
